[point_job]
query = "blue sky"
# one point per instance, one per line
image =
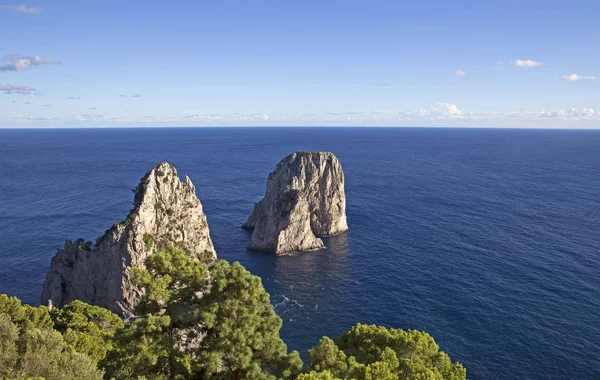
(431, 63)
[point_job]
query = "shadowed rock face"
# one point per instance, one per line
(304, 199)
(166, 212)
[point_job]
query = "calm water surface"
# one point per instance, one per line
(487, 239)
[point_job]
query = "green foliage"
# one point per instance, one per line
(314, 375)
(156, 345)
(44, 354)
(149, 242)
(147, 348)
(200, 326)
(132, 215)
(9, 333)
(327, 356)
(25, 317)
(372, 352)
(242, 336)
(173, 283)
(87, 329)
(40, 353)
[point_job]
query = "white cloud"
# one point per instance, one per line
(450, 114)
(460, 73)
(440, 111)
(350, 113)
(451, 110)
(228, 118)
(437, 115)
(10, 89)
(132, 96)
(527, 63)
(575, 77)
(21, 63)
(36, 118)
(22, 8)
(25, 9)
(573, 114)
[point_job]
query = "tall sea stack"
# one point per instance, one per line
(304, 199)
(166, 212)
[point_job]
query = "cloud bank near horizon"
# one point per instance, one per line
(442, 114)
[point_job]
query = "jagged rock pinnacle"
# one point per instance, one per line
(166, 212)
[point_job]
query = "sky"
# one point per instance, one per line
(527, 63)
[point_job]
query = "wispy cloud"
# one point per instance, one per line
(349, 113)
(93, 109)
(382, 84)
(570, 114)
(46, 105)
(36, 118)
(17, 63)
(528, 63)
(73, 98)
(575, 77)
(11, 89)
(131, 96)
(460, 73)
(22, 8)
(227, 118)
(440, 114)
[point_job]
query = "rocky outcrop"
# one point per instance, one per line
(166, 212)
(304, 199)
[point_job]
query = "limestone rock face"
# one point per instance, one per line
(304, 199)
(166, 212)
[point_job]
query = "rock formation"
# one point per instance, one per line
(304, 199)
(166, 212)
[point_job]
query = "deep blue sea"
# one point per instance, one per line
(488, 239)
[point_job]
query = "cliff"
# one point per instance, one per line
(304, 199)
(166, 212)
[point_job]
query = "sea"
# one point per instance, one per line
(488, 239)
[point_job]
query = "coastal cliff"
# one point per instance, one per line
(304, 199)
(166, 212)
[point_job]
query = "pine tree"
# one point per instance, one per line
(369, 352)
(242, 330)
(87, 329)
(199, 324)
(156, 344)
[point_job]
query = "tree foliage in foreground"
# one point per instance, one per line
(158, 344)
(200, 324)
(87, 329)
(242, 330)
(196, 325)
(31, 348)
(372, 352)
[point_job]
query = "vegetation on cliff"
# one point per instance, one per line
(198, 324)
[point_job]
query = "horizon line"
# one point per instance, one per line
(302, 126)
